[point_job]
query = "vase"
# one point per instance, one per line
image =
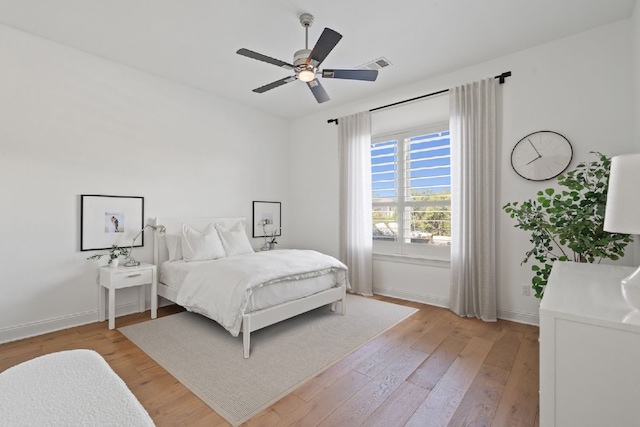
(272, 246)
(114, 262)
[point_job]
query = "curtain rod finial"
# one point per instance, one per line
(503, 76)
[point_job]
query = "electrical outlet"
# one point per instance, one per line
(526, 290)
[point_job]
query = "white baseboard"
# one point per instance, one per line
(436, 300)
(439, 301)
(14, 333)
(519, 317)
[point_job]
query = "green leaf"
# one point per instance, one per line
(567, 224)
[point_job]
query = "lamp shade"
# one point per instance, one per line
(306, 75)
(622, 214)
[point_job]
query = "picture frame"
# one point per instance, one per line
(271, 212)
(110, 220)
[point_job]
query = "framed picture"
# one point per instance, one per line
(110, 220)
(267, 219)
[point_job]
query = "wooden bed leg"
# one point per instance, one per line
(246, 343)
(333, 305)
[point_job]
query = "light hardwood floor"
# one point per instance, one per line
(433, 369)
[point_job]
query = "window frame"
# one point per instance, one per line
(400, 248)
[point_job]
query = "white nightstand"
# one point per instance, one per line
(125, 277)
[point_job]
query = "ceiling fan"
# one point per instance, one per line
(306, 63)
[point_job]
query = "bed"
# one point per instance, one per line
(241, 290)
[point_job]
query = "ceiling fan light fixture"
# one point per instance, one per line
(306, 75)
(306, 63)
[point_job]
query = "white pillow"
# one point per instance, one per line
(203, 246)
(235, 240)
(174, 245)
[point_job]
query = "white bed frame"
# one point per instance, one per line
(257, 319)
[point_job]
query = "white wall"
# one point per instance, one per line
(635, 22)
(72, 124)
(636, 68)
(578, 86)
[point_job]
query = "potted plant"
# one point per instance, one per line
(272, 242)
(115, 252)
(567, 225)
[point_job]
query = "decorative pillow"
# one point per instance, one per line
(203, 246)
(234, 240)
(174, 245)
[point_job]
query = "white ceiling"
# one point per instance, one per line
(194, 41)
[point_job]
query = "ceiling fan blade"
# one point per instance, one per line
(275, 84)
(368, 75)
(318, 91)
(260, 57)
(325, 44)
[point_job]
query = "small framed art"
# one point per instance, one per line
(110, 220)
(267, 219)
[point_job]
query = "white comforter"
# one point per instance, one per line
(221, 289)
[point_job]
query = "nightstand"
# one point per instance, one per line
(126, 277)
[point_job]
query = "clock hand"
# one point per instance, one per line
(534, 147)
(533, 160)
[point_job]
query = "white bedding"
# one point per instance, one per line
(173, 273)
(222, 289)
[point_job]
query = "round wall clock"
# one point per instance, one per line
(541, 155)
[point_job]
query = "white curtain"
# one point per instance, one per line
(356, 241)
(473, 188)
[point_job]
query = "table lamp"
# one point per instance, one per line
(131, 262)
(264, 222)
(622, 214)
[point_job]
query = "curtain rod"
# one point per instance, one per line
(501, 80)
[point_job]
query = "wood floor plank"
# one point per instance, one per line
(273, 415)
(357, 409)
(431, 370)
(317, 384)
(504, 351)
(15, 359)
(410, 331)
(315, 411)
(439, 407)
(397, 409)
(472, 327)
(519, 403)
(417, 351)
(480, 403)
(18, 348)
(445, 327)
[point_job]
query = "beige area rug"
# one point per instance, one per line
(208, 360)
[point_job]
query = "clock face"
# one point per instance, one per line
(541, 155)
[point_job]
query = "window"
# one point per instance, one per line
(411, 192)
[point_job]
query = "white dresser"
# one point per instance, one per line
(589, 349)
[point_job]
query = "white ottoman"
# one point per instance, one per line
(69, 388)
